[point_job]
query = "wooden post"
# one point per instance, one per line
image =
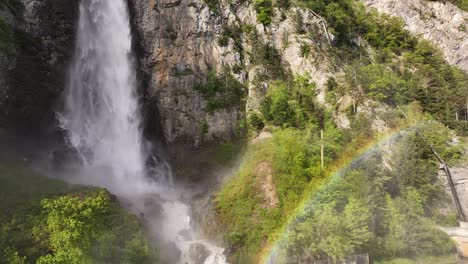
(321, 149)
(466, 108)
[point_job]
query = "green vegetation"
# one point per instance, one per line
(291, 158)
(284, 4)
(264, 10)
(397, 207)
(269, 57)
(256, 122)
(223, 91)
(47, 221)
(292, 105)
(399, 68)
(449, 259)
(213, 5)
(369, 208)
(234, 33)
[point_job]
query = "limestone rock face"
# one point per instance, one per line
(441, 23)
(179, 47)
(460, 180)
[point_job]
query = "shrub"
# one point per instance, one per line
(221, 92)
(256, 121)
(264, 10)
(213, 5)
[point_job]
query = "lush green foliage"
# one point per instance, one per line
(285, 4)
(269, 57)
(293, 158)
(223, 91)
(256, 122)
(370, 208)
(48, 221)
(400, 69)
(373, 209)
(292, 104)
(264, 10)
(331, 233)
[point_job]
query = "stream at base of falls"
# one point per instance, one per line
(103, 123)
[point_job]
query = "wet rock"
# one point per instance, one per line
(43, 37)
(171, 252)
(198, 253)
(186, 234)
(153, 206)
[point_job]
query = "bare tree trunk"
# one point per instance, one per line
(322, 150)
(324, 25)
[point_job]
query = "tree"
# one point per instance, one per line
(72, 224)
(329, 233)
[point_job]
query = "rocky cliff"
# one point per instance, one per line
(39, 47)
(439, 22)
(180, 43)
(179, 48)
(183, 41)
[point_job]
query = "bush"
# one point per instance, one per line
(305, 50)
(221, 92)
(256, 121)
(264, 10)
(213, 5)
(47, 221)
(292, 104)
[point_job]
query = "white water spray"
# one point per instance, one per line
(103, 122)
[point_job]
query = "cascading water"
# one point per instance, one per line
(101, 107)
(102, 119)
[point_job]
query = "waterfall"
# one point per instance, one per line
(103, 121)
(101, 108)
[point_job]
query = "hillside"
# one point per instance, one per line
(284, 131)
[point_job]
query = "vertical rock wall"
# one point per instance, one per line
(41, 45)
(179, 47)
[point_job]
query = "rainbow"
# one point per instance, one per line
(270, 253)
